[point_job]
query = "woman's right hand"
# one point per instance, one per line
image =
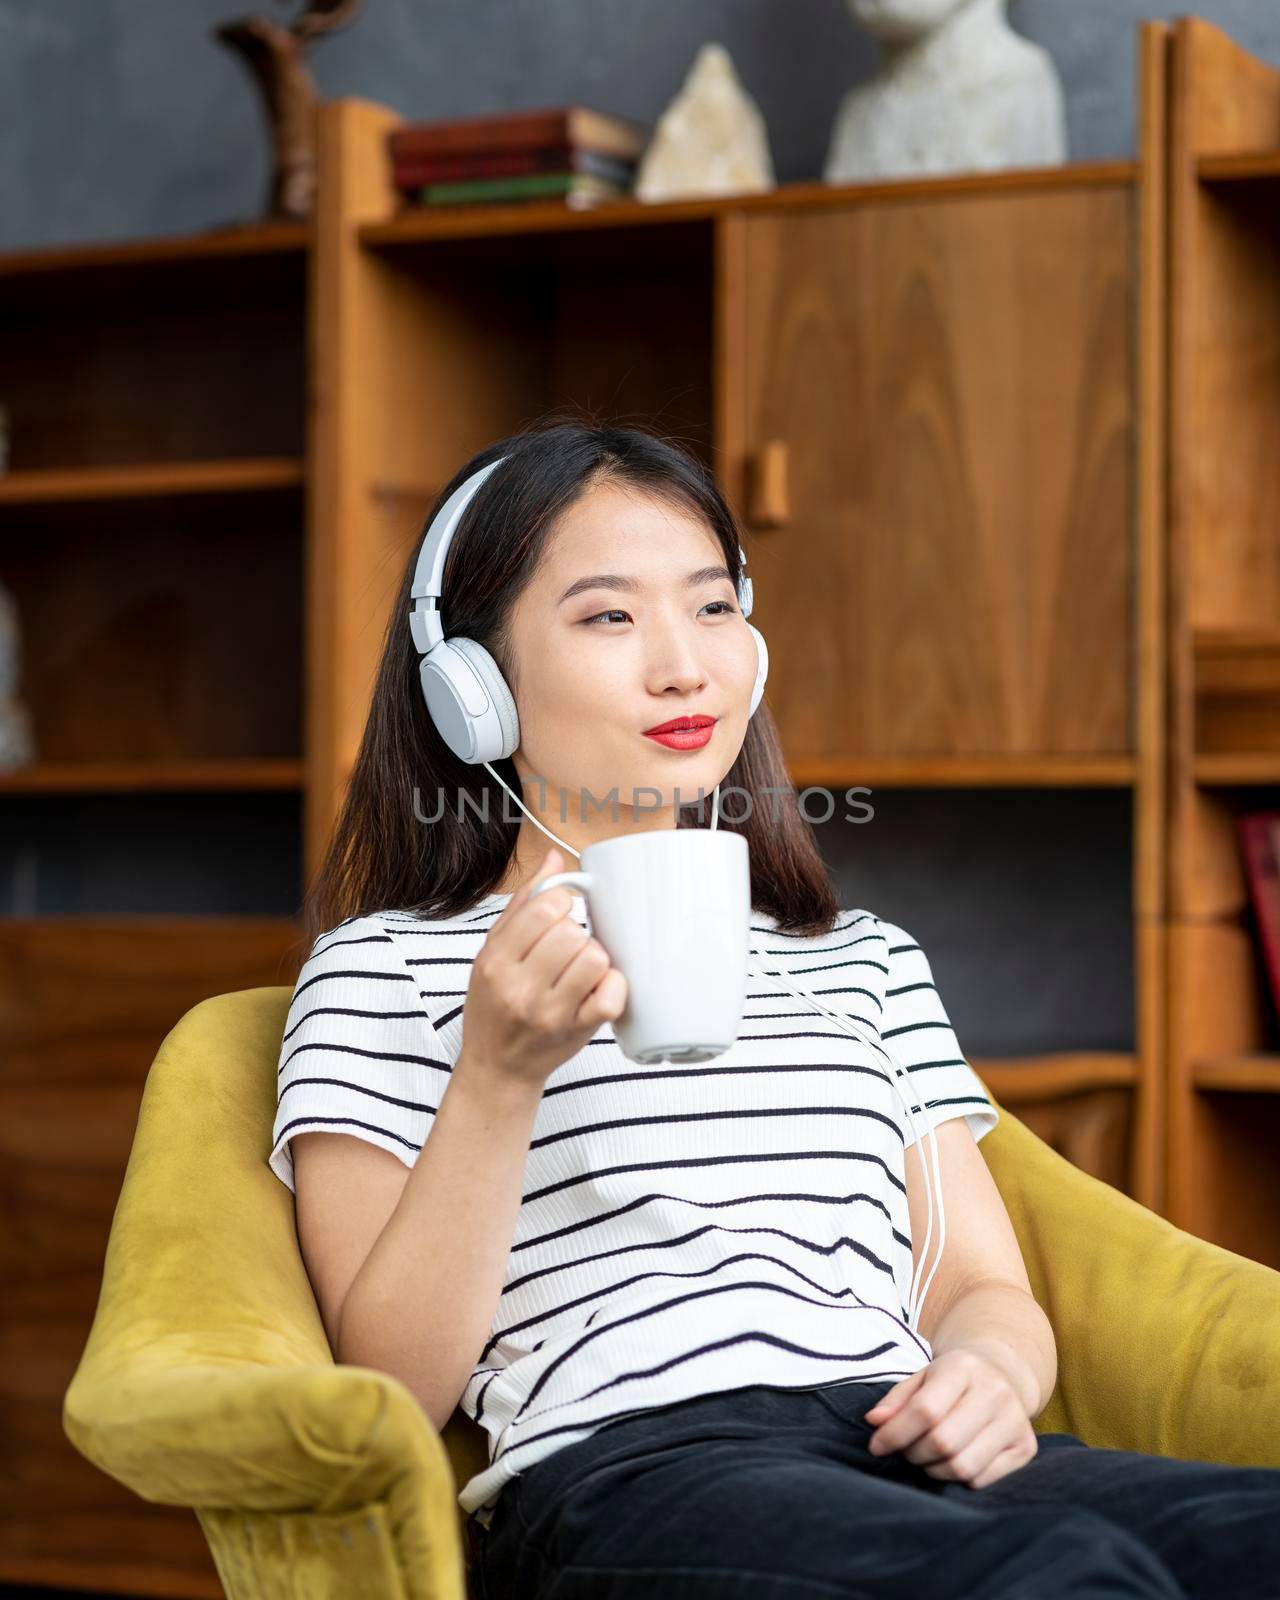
(540, 987)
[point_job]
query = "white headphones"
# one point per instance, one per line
(468, 700)
(466, 696)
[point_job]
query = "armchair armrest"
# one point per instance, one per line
(207, 1381)
(1167, 1344)
(306, 1455)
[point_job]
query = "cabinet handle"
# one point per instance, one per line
(767, 492)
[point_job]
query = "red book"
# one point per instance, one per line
(522, 130)
(411, 172)
(1260, 845)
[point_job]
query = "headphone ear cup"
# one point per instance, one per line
(762, 669)
(468, 700)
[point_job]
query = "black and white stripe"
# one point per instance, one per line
(684, 1229)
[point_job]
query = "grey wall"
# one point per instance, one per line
(122, 118)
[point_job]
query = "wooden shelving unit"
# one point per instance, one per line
(1005, 437)
(152, 531)
(1223, 1058)
(1021, 395)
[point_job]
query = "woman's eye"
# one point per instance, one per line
(725, 607)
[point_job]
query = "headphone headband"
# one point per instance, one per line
(424, 618)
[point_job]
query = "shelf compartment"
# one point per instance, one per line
(187, 649)
(120, 363)
(129, 855)
(1081, 1103)
(1224, 1177)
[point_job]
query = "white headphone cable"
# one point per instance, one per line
(846, 1023)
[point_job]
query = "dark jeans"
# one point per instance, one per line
(769, 1494)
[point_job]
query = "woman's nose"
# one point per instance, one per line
(677, 664)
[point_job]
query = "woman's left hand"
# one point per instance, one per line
(959, 1418)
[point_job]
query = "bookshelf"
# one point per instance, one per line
(1018, 297)
(152, 531)
(1223, 1063)
(224, 449)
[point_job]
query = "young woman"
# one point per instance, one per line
(681, 1300)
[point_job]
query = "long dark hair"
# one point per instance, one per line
(381, 854)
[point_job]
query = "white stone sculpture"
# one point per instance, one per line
(17, 747)
(711, 139)
(957, 91)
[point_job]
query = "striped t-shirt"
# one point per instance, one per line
(684, 1228)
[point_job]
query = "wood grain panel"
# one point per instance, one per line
(1232, 372)
(1150, 660)
(1215, 887)
(84, 1006)
(1237, 101)
(954, 383)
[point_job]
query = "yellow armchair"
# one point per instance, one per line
(207, 1380)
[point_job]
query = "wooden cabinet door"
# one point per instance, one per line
(936, 473)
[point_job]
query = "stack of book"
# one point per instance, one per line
(571, 153)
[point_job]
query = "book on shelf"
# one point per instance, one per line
(577, 189)
(1259, 833)
(573, 153)
(580, 127)
(410, 173)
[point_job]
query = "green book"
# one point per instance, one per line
(513, 188)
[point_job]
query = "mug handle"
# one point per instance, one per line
(581, 880)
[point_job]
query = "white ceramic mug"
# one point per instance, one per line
(672, 909)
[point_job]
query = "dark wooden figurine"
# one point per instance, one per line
(274, 54)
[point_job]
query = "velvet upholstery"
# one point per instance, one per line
(207, 1379)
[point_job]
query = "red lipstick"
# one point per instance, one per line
(683, 733)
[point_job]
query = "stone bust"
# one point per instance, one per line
(957, 90)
